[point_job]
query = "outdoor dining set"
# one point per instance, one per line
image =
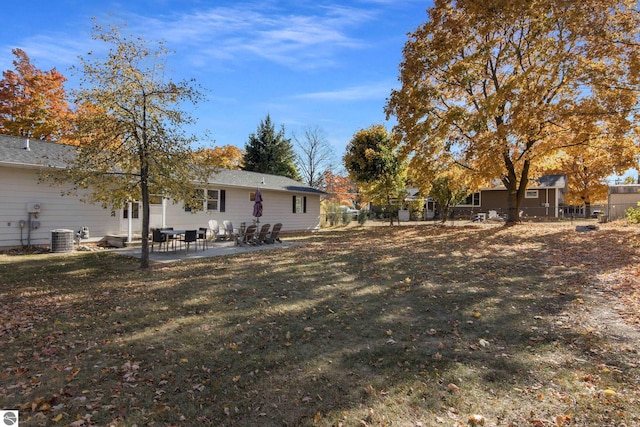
(254, 234)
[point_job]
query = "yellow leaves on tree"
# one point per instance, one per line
(502, 89)
(225, 157)
(374, 164)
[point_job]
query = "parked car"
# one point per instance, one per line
(354, 212)
(595, 213)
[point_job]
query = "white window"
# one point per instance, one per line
(299, 204)
(213, 200)
(531, 194)
(471, 200)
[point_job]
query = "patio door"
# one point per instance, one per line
(131, 212)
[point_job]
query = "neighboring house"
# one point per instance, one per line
(30, 209)
(621, 198)
(544, 198)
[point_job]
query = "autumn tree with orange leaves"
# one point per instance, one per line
(502, 87)
(225, 157)
(587, 169)
(33, 102)
(341, 190)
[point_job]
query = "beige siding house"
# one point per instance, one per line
(621, 198)
(30, 210)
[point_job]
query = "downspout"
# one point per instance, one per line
(129, 222)
(546, 203)
(29, 230)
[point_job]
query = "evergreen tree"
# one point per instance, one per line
(270, 152)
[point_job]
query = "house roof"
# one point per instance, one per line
(246, 179)
(542, 182)
(34, 153)
(546, 181)
(549, 181)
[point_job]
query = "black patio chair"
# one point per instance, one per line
(190, 236)
(202, 236)
(159, 238)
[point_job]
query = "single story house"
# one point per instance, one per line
(544, 198)
(621, 198)
(30, 210)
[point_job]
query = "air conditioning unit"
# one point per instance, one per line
(33, 207)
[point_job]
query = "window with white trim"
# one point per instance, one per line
(471, 200)
(213, 200)
(531, 194)
(299, 204)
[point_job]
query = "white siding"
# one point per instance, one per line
(277, 207)
(18, 187)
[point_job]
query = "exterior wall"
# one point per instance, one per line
(532, 207)
(621, 198)
(19, 186)
(277, 207)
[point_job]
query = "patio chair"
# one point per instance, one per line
(202, 236)
(262, 235)
(159, 238)
(214, 231)
(231, 232)
(249, 236)
(190, 236)
(274, 236)
(170, 238)
(493, 215)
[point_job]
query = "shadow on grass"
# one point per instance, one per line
(383, 326)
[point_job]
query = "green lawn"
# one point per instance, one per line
(375, 326)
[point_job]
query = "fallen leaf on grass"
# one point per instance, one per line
(476, 420)
(452, 387)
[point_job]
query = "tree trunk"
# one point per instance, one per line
(516, 189)
(513, 207)
(587, 209)
(144, 188)
(444, 212)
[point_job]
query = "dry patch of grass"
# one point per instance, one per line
(404, 326)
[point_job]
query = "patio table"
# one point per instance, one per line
(171, 234)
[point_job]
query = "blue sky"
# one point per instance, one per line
(324, 63)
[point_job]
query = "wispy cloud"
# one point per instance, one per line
(352, 93)
(58, 49)
(308, 39)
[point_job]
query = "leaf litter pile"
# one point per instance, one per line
(533, 325)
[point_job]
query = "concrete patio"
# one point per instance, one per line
(219, 248)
